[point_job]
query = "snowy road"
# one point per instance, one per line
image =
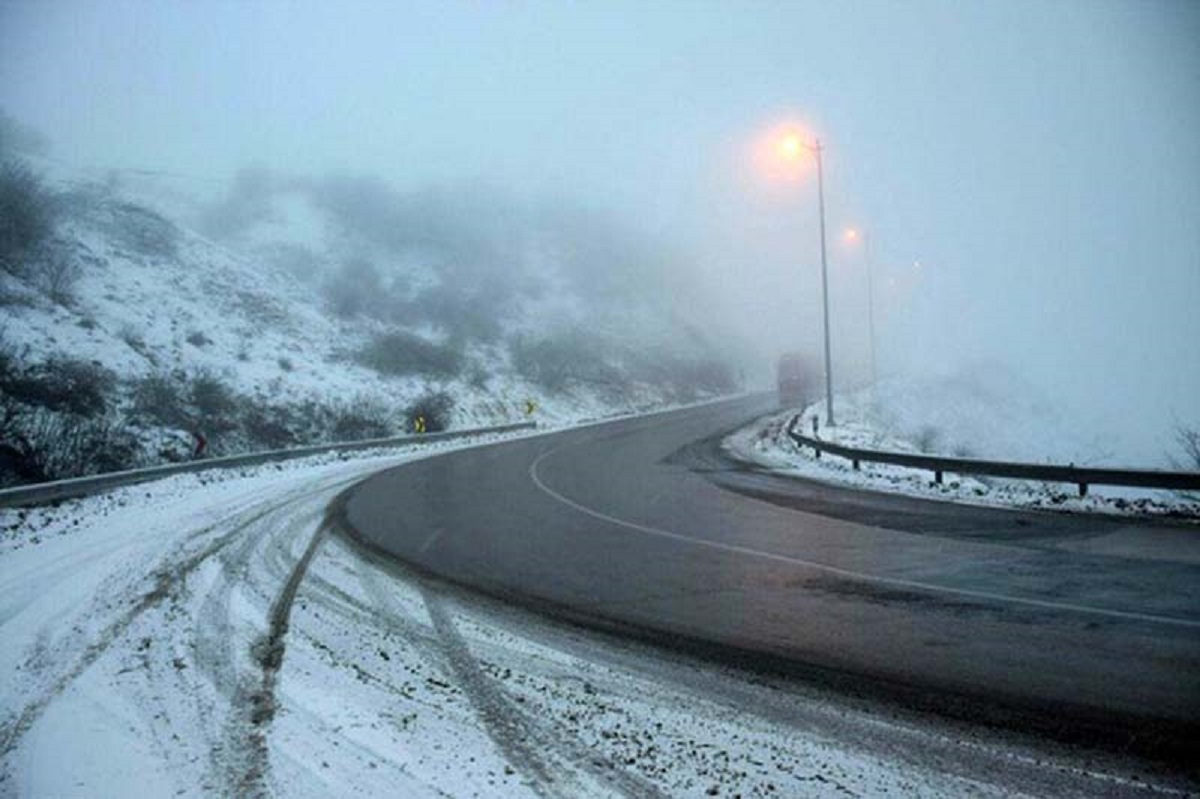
(211, 635)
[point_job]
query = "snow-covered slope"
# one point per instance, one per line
(307, 302)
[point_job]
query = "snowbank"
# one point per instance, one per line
(972, 423)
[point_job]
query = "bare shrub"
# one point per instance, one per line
(927, 439)
(57, 275)
(398, 353)
(14, 446)
(683, 378)
(1188, 440)
(247, 203)
(356, 289)
(66, 385)
(17, 137)
(42, 445)
(267, 428)
(472, 315)
(359, 420)
(159, 398)
(27, 217)
(556, 363)
(215, 402)
(434, 409)
(258, 306)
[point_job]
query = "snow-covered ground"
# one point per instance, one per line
(207, 634)
(909, 416)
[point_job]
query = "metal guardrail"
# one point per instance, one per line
(1080, 476)
(82, 486)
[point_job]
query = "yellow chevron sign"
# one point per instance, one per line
(419, 424)
(530, 407)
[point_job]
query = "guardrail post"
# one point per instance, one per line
(856, 464)
(937, 477)
(1083, 489)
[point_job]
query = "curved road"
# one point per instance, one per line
(1082, 627)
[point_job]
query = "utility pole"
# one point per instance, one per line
(816, 148)
(870, 307)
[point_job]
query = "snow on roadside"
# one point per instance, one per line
(30, 526)
(766, 444)
(134, 621)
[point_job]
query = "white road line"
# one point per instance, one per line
(855, 575)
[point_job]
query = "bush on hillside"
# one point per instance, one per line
(473, 316)
(434, 408)
(356, 289)
(66, 385)
(40, 445)
(202, 402)
(160, 399)
(267, 428)
(27, 218)
(360, 420)
(684, 378)
(557, 363)
(57, 273)
(215, 402)
(17, 137)
(399, 354)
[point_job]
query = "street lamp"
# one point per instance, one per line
(853, 235)
(792, 147)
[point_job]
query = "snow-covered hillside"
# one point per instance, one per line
(982, 415)
(279, 311)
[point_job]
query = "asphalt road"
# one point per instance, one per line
(1084, 628)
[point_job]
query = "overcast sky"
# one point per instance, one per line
(1040, 160)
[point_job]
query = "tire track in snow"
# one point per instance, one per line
(553, 766)
(167, 578)
(239, 758)
(268, 652)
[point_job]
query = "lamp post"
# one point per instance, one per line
(792, 145)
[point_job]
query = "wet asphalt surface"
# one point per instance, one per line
(1080, 627)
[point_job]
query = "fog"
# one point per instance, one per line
(1027, 174)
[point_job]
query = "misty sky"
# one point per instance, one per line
(1040, 160)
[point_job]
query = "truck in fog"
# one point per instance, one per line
(795, 379)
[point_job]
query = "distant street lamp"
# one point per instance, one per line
(853, 235)
(792, 147)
